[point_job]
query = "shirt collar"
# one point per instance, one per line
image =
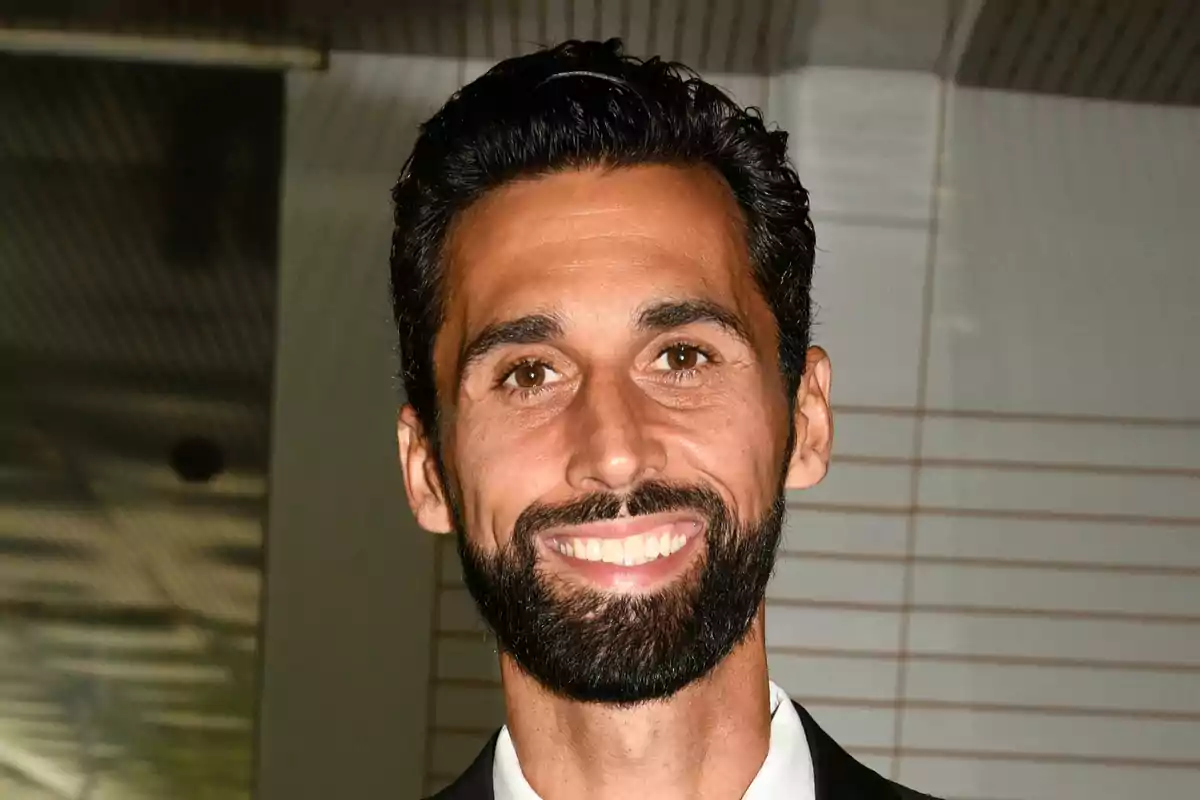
(787, 771)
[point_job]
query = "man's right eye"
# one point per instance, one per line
(530, 375)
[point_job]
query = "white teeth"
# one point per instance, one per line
(635, 551)
(629, 552)
(612, 552)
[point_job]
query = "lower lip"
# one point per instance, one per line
(639, 578)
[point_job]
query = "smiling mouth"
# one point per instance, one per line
(627, 542)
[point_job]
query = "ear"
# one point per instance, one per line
(813, 423)
(422, 484)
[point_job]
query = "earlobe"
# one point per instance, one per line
(422, 483)
(813, 423)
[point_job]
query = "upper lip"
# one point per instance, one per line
(624, 527)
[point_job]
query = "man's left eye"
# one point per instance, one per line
(680, 358)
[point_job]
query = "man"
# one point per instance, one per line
(601, 272)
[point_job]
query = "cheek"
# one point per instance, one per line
(740, 445)
(503, 468)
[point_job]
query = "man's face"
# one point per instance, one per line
(615, 430)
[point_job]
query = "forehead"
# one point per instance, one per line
(593, 236)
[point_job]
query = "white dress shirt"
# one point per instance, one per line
(787, 771)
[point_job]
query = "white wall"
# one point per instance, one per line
(1054, 637)
(349, 579)
(865, 144)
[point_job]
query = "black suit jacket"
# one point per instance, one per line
(836, 774)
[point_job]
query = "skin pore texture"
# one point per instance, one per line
(603, 332)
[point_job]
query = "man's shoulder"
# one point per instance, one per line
(839, 776)
(476, 782)
(904, 793)
(909, 794)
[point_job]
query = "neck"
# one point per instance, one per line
(707, 741)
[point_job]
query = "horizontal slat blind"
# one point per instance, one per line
(1052, 642)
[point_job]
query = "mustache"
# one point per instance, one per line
(650, 497)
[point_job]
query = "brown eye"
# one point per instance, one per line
(530, 375)
(681, 357)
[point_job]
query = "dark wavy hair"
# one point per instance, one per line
(588, 104)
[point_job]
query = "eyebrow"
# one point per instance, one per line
(673, 314)
(541, 328)
(529, 329)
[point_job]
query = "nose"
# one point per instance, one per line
(615, 443)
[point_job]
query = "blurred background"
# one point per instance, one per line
(210, 586)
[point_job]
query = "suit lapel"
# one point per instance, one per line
(476, 782)
(836, 775)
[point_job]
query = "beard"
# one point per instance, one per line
(623, 649)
